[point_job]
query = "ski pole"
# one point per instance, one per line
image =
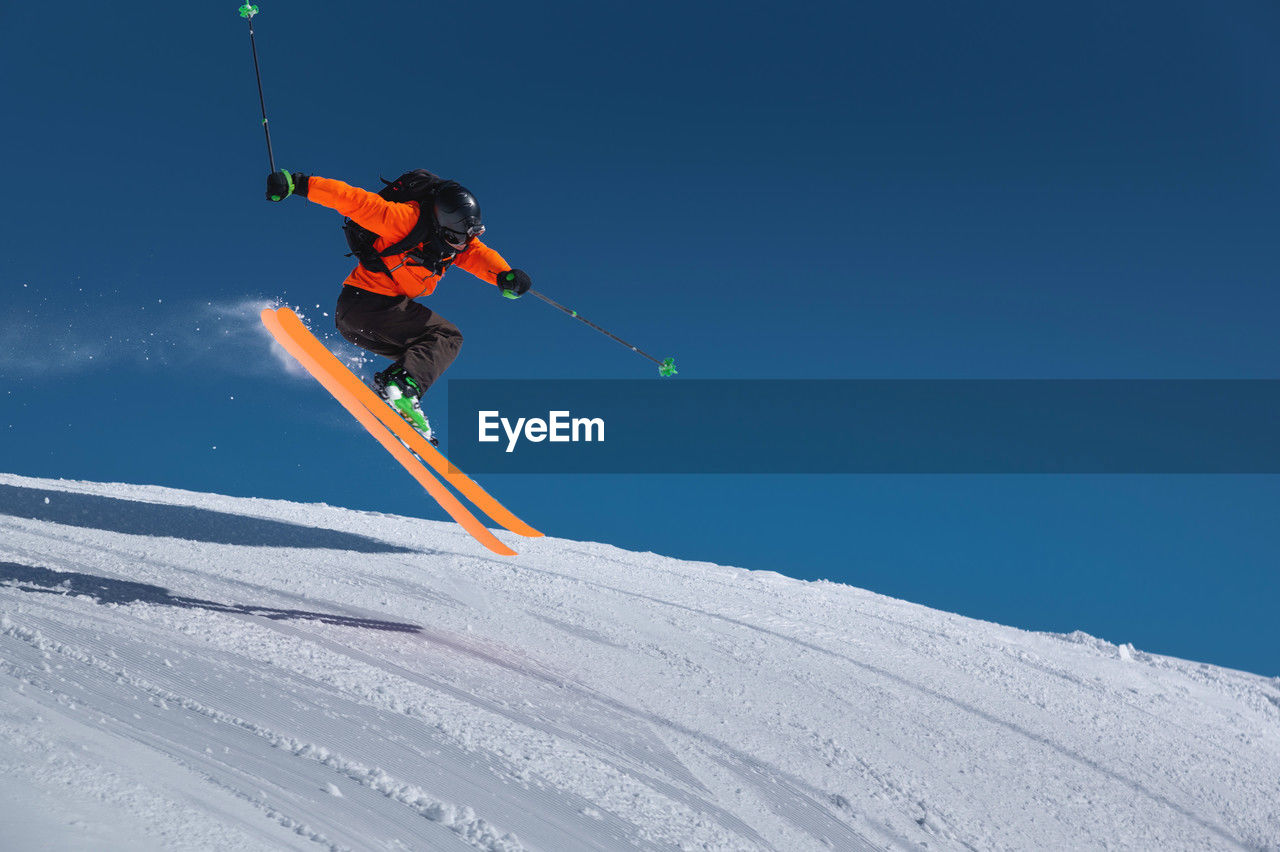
(247, 12)
(666, 367)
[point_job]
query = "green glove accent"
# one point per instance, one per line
(508, 278)
(289, 191)
(247, 11)
(667, 367)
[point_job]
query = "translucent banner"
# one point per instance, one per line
(865, 426)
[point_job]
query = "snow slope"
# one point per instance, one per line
(190, 671)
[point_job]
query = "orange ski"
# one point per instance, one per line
(421, 446)
(434, 487)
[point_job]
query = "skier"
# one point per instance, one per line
(405, 238)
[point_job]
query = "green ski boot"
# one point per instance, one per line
(403, 394)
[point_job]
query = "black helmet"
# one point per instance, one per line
(457, 215)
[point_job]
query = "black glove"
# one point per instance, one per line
(282, 184)
(514, 283)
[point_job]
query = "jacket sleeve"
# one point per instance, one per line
(388, 219)
(482, 261)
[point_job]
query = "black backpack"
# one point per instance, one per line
(418, 185)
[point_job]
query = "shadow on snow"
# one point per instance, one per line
(105, 590)
(156, 519)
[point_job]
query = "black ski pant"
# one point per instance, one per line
(399, 328)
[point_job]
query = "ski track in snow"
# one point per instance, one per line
(191, 671)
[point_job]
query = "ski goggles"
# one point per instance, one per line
(458, 240)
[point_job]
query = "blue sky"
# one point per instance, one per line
(813, 191)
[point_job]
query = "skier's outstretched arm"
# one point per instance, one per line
(486, 264)
(366, 209)
(482, 261)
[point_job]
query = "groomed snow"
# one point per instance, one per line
(191, 671)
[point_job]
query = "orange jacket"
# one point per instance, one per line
(391, 221)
